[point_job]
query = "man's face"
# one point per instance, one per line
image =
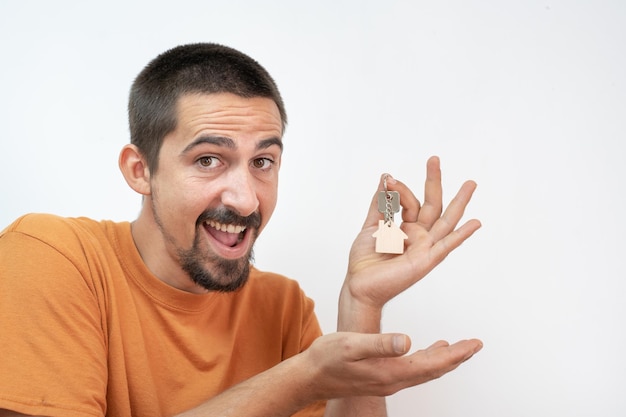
(216, 185)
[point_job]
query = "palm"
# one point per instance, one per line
(376, 278)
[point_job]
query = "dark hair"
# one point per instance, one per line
(187, 69)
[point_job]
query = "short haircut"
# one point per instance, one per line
(205, 68)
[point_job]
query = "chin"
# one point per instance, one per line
(223, 275)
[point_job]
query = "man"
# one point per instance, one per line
(165, 316)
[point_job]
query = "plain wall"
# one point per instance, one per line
(525, 97)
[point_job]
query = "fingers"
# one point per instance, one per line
(453, 240)
(373, 215)
(412, 210)
(361, 346)
(410, 203)
(394, 371)
(358, 364)
(457, 352)
(441, 358)
(429, 214)
(421, 366)
(454, 212)
(431, 209)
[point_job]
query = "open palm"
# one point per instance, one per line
(375, 278)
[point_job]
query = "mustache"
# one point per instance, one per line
(227, 216)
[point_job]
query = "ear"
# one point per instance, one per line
(135, 169)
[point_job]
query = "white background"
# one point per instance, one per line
(528, 98)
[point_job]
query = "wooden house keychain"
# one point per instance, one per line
(389, 237)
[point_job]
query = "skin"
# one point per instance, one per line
(373, 279)
(353, 368)
(225, 153)
(432, 235)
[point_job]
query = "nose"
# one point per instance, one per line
(239, 193)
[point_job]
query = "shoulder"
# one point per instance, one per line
(40, 224)
(55, 231)
(51, 238)
(52, 258)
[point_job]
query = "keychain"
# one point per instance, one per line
(389, 237)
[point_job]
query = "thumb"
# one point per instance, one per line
(386, 345)
(373, 215)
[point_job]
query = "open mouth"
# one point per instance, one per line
(226, 234)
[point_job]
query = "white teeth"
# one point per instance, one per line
(229, 228)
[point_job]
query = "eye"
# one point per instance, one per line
(208, 161)
(262, 163)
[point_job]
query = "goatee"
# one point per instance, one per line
(222, 275)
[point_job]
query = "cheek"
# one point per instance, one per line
(191, 202)
(178, 203)
(267, 203)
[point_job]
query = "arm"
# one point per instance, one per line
(52, 340)
(356, 367)
(278, 392)
(373, 279)
(338, 365)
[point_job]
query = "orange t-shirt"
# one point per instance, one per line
(87, 330)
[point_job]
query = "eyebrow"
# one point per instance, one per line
(230, 144)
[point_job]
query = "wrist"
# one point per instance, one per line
(356, 315)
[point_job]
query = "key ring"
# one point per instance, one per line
(388, 202)
(389, 237)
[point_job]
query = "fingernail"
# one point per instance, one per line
(399, 343)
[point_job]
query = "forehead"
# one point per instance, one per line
(228, 115)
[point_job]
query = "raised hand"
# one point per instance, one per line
(373, 278)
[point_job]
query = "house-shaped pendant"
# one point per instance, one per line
(389, 238)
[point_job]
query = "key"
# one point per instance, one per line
(389, 237)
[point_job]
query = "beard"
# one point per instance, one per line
(226, 275)
(207, 269)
